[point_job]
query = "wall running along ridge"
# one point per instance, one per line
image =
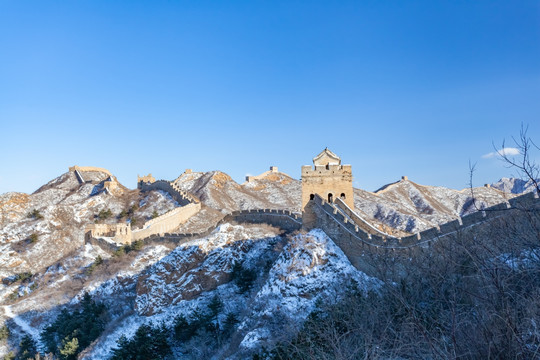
(355, 241)
(283, 219)
(145, 179)
(122, 233)
(353, 234)
(166, 222)
(110, 185)
(182, 197)
(358, 220)
(273, 170)
(89, 168)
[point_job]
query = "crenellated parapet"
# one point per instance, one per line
(338, 225)
(273, 170)
(158, 226)
(147, 179)
(283, 219)
(179, 195)
(357, 219)
(166, 222)
(123, 234)
(120, 233)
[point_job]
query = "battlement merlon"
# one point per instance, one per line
(326, 170)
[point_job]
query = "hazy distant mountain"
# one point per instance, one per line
(514, 186)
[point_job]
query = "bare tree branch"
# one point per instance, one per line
(527, 168)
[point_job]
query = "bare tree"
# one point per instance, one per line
(527, 168)
(525, 165)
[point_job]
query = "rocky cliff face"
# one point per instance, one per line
(291, 274)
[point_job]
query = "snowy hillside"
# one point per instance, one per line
(219, 191)
(243, 287)
(411, 207)
(290, 275)
(37, 230)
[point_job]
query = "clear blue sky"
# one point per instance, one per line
(395, 88)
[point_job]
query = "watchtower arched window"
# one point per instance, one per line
(330, 197)
(311, 196)
(342, 196)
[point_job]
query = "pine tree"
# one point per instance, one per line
(79, 328)
(35, 214)
(137, 245)
(159, 341)
(215, 307)
(33, 238)
(122, 350)
(229, 324)
(236, 270)
(69, 349)
(27, 348)
(243, 277)
(4, 332)
(183, 330)
(104, 214)
(148, 343)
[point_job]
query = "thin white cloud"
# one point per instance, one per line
(509, 151)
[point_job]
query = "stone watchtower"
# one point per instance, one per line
(328, 179)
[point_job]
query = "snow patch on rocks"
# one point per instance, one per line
(293, 274)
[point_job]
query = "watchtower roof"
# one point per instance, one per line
(326, 157)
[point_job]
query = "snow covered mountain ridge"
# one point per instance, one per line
(268, 282)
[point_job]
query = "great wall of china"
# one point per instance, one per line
(123, 234)
(283, 219)
(109, 185)
(352, 233)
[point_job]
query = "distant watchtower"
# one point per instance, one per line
(327, 178)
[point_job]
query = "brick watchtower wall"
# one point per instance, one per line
(327, 178)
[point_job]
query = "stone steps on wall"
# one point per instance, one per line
(357, 219)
